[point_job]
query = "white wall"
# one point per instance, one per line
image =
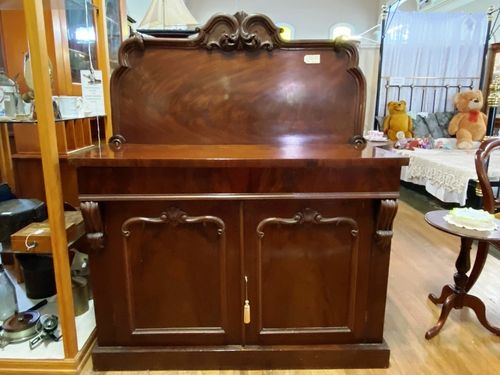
(482, 6)
(368, 62)
(311, 18)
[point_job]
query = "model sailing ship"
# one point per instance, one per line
(168, 18)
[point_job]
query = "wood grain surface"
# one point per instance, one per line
(296, 154)
(237, 82)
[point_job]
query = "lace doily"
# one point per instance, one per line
(451, 169)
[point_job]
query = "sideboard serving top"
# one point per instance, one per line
(294, 155)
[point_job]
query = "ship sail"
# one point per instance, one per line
(167, 14)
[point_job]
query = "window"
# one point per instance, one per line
(287, 31)
(345, 30)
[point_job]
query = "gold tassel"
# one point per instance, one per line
(246, 312)
(246, 306)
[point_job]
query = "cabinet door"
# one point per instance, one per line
(163, 276)
(307, 265)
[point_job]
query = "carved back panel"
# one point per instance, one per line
(237, 82)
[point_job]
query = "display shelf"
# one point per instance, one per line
(85, 327)
(72, 135)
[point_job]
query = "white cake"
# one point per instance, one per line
(471, 219)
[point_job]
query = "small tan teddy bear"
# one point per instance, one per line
(398, 121)
(469, 124)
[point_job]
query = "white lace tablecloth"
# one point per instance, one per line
(445, 173)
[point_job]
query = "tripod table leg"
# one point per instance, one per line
(478, 306)
(445, 310)
(482, 253)
(445, 292)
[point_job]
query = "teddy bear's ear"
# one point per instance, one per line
(479, 93)
(390, 104)
(403, 102)
(456, 98)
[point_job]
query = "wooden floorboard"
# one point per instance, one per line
(422, 261)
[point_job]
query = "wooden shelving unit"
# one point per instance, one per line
(72, 135)
(50, 140)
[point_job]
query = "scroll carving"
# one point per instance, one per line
(308, 216)
(386, 214)
(93, 224)
(136, 43)
(173, 216)
(239, 32)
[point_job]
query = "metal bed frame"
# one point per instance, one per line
(425, 94)
(385, 21)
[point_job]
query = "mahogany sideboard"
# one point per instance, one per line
(233, 226)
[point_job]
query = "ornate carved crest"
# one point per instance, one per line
(233, 32)
(239, 32)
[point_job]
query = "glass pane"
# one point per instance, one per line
(2, 64)
(114, 32)
(496, 65)
(81, 37)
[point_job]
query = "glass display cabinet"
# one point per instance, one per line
(80, 23)
(41, 23)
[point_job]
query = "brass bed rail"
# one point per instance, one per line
(425, 94)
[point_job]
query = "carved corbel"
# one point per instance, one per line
(386, 214)
(93, 224)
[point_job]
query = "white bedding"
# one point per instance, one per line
(445, 173)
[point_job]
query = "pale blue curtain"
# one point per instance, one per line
(445, 46)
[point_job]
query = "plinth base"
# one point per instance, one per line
(235, 357)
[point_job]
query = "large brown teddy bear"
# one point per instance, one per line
(398, 121)
(469, 124)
